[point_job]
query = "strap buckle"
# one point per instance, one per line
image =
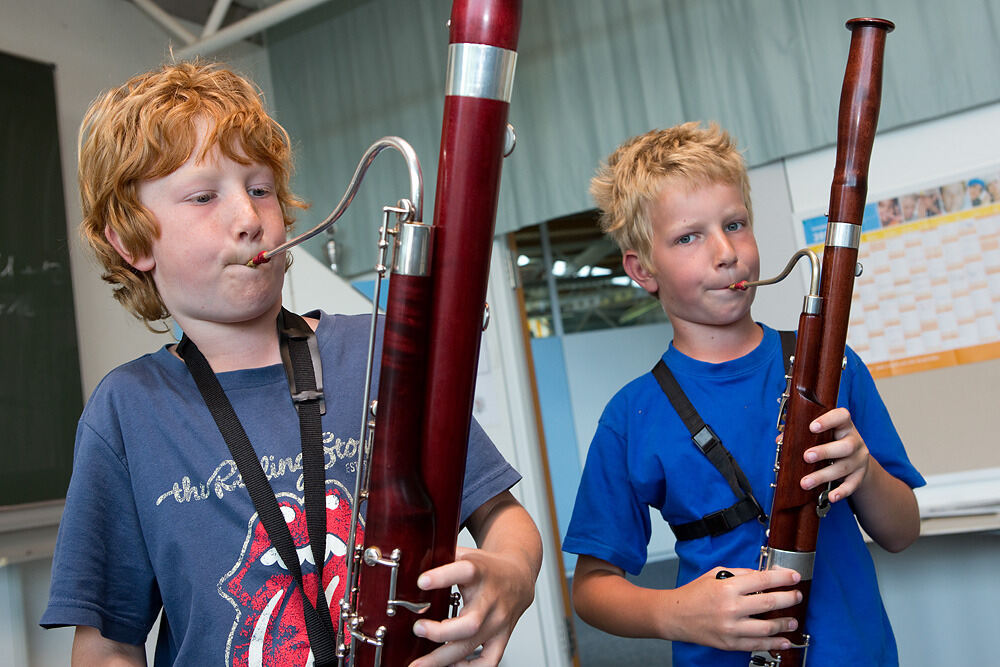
(722, 521)
(295, 331)
(706, 439)
(308, 395)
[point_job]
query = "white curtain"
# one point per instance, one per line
(591, 73)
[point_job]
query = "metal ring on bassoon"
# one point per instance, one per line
(843, 235)
(480, 70)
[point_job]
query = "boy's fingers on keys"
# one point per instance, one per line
(770, 627)
(778, 577)
(766, 602)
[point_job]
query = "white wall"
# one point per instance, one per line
(598, 364)
(309, 285)
(506, 410)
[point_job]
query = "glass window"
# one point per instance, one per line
(569, 262)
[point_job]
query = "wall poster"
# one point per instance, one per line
(929, 294)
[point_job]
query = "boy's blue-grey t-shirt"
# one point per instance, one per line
(156, 512)
(642, 457)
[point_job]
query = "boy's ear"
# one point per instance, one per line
(143, 263)
(637, 272)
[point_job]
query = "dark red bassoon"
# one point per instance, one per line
(474, 138)
(822, 333)
(433, 325)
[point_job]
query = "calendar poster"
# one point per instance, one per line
(929, 292)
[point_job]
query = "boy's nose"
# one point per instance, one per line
(247, 223)
(725, 252)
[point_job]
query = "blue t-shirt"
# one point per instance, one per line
(156, 512)
(642, 456)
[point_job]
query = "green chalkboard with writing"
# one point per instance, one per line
(40, 392)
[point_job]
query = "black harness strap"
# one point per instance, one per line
(746, 507)
(300, 356)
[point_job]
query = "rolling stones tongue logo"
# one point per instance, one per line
(269, 629)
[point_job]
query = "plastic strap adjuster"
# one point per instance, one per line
(706, 439)
(307, 395)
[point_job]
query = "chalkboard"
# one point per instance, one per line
(40, 391)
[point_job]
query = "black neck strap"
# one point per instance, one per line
(300, 357)
(746, 507)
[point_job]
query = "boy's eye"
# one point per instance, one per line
(735, 226)
(260, 191)
(202, 198)
(684, 240)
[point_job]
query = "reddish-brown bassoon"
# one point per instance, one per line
(822, 333)
(434, 322)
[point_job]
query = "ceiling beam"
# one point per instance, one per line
(215, 19)
(212, 39)
(166, 21)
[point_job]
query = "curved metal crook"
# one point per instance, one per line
(416, 193)
(813, 278)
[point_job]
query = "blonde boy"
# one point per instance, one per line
(184, 177)
(677, 202)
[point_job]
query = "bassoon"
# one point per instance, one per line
(433, 325)
(822, 335)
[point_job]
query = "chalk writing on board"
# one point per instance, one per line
(13, 272)
(11, 267)
(18, 306)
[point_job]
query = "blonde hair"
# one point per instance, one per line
(146, 129)
(631, 178)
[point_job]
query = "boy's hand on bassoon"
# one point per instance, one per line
(847, 455)
(497, 582)
(495, 588)
(720, 612)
